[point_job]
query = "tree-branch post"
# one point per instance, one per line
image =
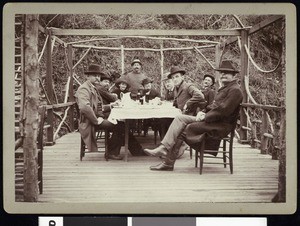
(217, 63)
(122, 59)
(243, 73)
(31, 109)
(161, 68)
(49, 88)
(71, 85)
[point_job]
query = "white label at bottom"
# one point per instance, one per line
(231, 221)
(51, 221)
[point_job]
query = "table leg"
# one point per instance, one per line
(126, 138)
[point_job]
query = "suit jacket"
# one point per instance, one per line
(107, 96)
(188, 94)
(90, 107)
(220, 118)
(153, 93)
(169, 95)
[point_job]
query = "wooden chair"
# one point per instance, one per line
(100, 135)
(204, 152)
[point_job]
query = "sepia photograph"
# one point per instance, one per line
(149, 108)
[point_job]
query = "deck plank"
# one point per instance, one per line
(67, 179)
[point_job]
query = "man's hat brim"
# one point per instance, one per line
(174, 72)
(227, 69)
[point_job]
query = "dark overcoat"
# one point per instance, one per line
(209, 96)
(220, 118)
(188, 94)
(88, 103)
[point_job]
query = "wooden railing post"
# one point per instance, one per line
(264, 129)
(49, 89)
(122, 59)
(243, 73)
(161, 68)
(31, 109)
(71, 89)
(217, 63)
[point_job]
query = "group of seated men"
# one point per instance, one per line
(203, 111)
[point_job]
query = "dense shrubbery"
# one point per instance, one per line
(265, 47)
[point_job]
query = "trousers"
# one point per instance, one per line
(116, 140)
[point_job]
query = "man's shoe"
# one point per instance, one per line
(161, 150)
(115, 157)
(163, 167)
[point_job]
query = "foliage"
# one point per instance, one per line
(265, 46)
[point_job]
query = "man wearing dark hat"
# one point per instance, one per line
(135, 77)
(187, 96)
(217, 122)
(149, 90)
(169, 88)
(149, 93)
(206, 88)
(92, 118)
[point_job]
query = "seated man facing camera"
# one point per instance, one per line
(217, 122)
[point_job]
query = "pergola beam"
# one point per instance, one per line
(256, 28)
(123, 32)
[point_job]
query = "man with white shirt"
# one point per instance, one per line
(91, 109)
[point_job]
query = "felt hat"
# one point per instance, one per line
(146, 81)
(176, 69)
(210, 76)
(94, 69)
(105, 77)
(119, 81)
(227, 65)
(136, 61)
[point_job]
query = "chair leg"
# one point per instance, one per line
(196, 158)
(155, 136)
(224, 153)
(202, 155)
(231, 156)
(82, 148)
(106, 135)
(191, 153)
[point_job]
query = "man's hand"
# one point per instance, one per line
(100, 120)
(200, 116)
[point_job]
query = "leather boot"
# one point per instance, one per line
(162, 167)
(161, 150)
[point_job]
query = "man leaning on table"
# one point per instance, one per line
(217, 122)
(91, 109)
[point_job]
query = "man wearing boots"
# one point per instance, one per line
(217, 122)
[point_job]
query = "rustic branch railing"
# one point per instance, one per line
(51, 123)
(263, 134)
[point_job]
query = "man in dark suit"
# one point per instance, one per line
(217, 122)
(187, 96)
(149, 91)
(206, 88)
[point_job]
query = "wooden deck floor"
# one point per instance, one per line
(93, 180)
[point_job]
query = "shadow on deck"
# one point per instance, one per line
(94, 180)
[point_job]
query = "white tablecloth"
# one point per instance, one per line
(143, 112)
